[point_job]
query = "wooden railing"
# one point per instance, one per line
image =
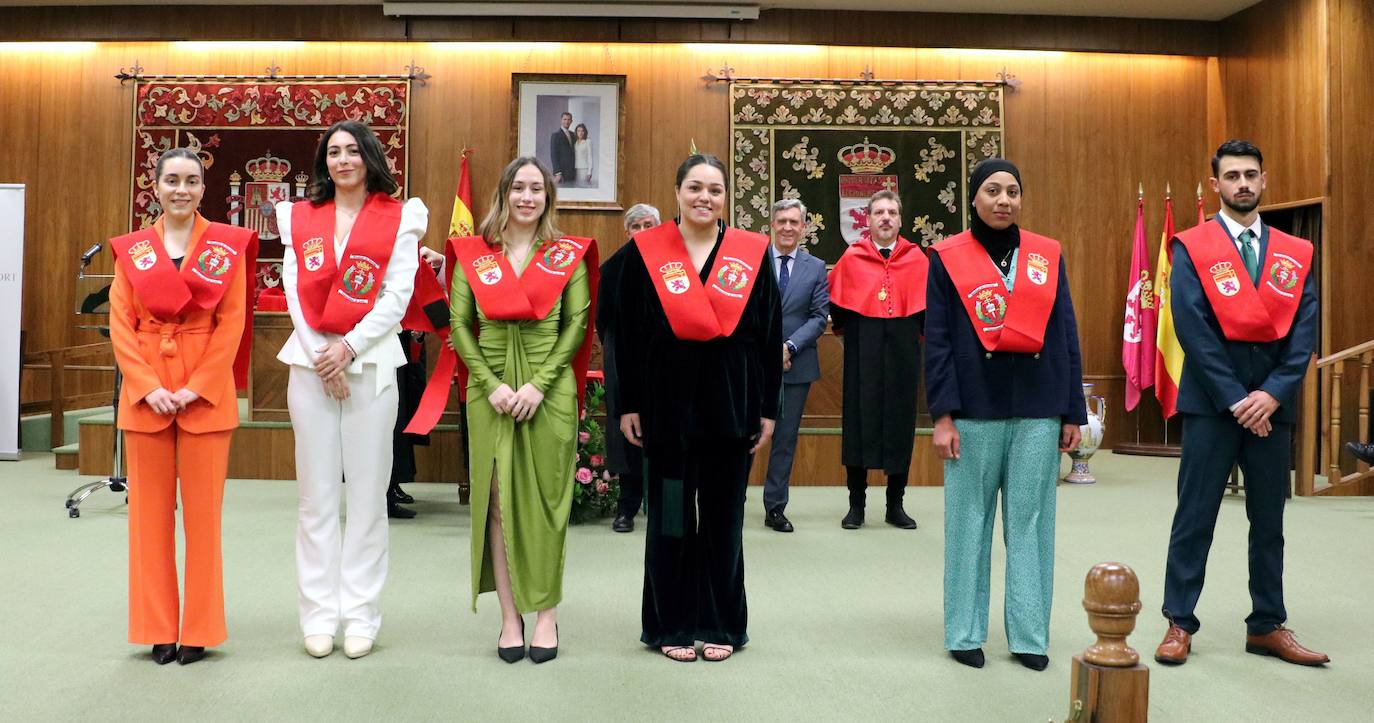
(1327, 440)
(58, 362)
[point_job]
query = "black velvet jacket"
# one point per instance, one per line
(695, 390)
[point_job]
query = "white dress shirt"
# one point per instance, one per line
(777, 260)
(1234, 227)
(374, 337)
(1236, 230)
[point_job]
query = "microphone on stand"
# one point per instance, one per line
(90, 254)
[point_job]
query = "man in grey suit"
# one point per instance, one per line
(805, 306)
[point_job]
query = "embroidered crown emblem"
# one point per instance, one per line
(866, 157)
(674, 277)
(1220, 268)
(267, 168)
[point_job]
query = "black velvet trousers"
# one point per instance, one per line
(693, 549)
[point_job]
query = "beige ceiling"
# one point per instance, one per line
(1172, 9)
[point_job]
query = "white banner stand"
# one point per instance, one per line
(11, 318)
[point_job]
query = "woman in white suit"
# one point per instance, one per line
(348, 271)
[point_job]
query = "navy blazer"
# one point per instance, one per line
(967, 381)
(1217, 372)
(805, 306)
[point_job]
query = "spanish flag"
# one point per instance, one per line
(434, 293)
(1168, 353)
(460, 224)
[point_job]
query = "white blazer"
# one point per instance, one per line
(374, 338)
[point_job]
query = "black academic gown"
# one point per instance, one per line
(882, 370)
(699, 405)
(410, 386)
(622, 458)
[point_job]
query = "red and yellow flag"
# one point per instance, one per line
(1168, 353)
(460, 224)
(1139, 327)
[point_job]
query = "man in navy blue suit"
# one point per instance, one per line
(805, 307)
(562, 158)
(1244, 301)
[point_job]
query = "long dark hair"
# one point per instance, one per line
(178, 153)
(696, 159)
(379, 178)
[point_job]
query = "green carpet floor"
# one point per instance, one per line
(844, 625)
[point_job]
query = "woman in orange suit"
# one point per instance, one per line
(176, 321)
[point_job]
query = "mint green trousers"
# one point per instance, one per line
(1018, 458)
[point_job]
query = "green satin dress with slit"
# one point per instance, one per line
(533, 461)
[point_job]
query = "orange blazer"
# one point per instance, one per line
(194, 351)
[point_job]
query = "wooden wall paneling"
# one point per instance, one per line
(1273, 73)
(1349, 227)
(1079, 192)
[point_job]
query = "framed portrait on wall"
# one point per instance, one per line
(575, 124)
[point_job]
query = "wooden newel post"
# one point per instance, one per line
(1109, 684)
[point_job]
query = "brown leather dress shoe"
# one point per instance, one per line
(1175, 648)
(1281, 644)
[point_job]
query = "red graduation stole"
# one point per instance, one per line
(213, 255)
(884, 288)
(1246, 312)
(333, 297)
(695, 311)
(503, 296)
(1005, 321)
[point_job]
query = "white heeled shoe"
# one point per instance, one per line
(319, 645)
(356, 647)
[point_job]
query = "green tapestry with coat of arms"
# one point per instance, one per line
(834, 144)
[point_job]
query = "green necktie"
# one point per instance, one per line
(1248, 255)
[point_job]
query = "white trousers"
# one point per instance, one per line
(343, 450)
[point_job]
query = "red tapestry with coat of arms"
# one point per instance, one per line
(257, 138)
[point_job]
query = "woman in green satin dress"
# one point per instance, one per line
(522, 414)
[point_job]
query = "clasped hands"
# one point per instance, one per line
(519, 404)
(1254, 411)
(165, 402)
(331, 364)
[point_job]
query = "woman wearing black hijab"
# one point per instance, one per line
(1004, 381)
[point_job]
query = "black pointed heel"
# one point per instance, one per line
(515, 653)
(164, 653)
(544, 655)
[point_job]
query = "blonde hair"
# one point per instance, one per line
(499, 213)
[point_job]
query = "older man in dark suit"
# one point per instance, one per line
(805, 305)
(1244, 301)
(561, 154)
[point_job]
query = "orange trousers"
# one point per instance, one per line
(154, 460)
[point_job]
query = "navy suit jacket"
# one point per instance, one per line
(969, 382)
(805, 306)
(1217, 372)
(563, 158)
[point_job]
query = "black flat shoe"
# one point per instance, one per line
(164, 653)
(1033, 661)
(897, 517)
(397, 512)
(623, 523)
(779, 522)
(188, 654)
(972, 658)
(544, 655)
(396, 494)
(515, 653)
(854, 520)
